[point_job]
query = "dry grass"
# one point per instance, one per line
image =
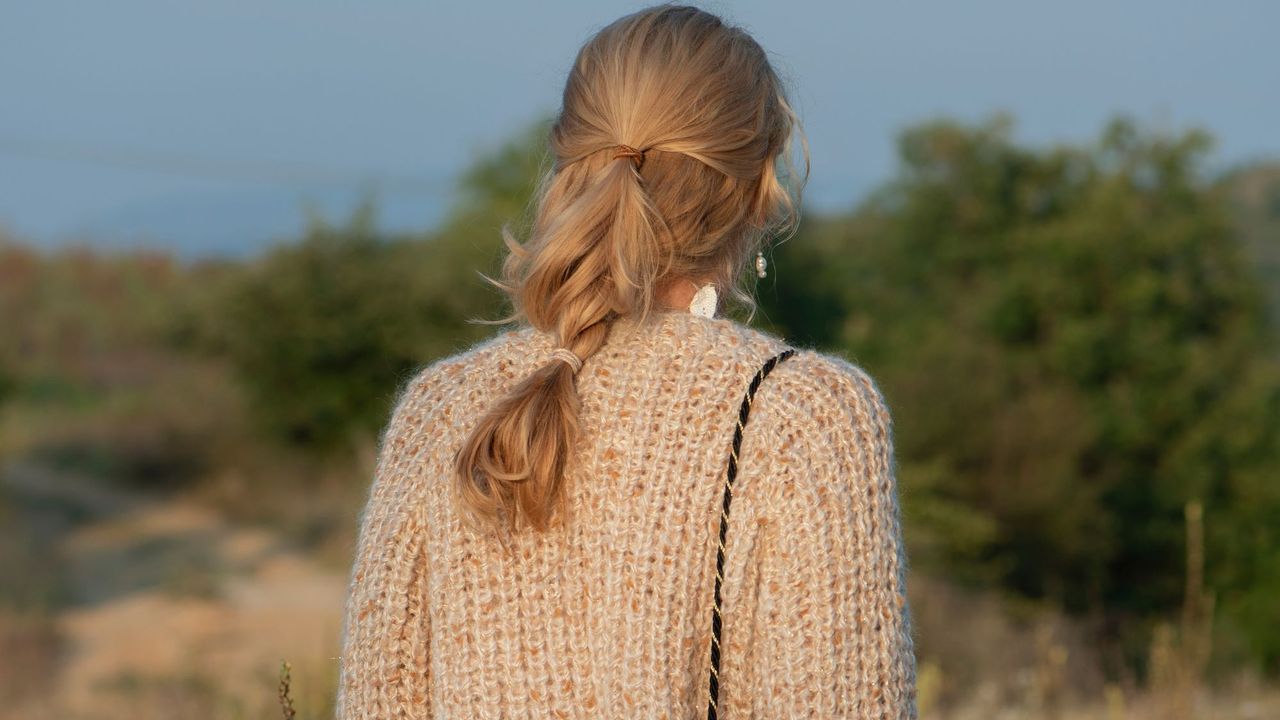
(1007, 663)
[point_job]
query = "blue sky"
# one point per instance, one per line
(208, 126)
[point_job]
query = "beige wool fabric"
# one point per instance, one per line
(609, 615)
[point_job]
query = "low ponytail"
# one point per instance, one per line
(692, 193)
(588, 261)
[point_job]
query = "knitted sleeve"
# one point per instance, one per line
(386, 628)
(833, 624)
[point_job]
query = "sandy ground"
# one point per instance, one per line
(171, 606)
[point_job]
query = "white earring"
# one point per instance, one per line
(761, 265)
(704, 301)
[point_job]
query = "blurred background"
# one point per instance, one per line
(229, 232)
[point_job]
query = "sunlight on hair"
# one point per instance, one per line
(705, 181)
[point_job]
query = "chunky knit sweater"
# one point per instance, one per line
(609, 614)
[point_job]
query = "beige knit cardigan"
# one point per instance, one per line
(609, 615)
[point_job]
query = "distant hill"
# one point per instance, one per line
(1253, 192)
(238, 224)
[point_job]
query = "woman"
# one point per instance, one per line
(541, 538)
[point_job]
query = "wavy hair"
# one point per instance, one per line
(610, 232)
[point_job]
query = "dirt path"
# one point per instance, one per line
(172, 611)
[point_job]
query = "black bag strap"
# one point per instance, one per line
(730, 476)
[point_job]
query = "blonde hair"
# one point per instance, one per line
(702, 102)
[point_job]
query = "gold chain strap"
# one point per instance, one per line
(713, 685)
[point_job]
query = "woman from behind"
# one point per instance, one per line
(548, 533)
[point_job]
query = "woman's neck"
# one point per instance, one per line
(678, 293)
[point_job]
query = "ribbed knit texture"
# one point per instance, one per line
(609, 615)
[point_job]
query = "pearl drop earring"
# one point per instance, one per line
(761, 264)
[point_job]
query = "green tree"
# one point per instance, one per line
(323, 331)
(1074, 346)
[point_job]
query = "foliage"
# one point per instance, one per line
(91, 379)
(7, 382)
(1073, 340)
(324, 331)
(1074, 347)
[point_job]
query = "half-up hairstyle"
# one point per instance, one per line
(700, 101)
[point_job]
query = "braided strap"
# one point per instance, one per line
(713, 689)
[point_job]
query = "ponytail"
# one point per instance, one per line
(614, 223)
(512, 465)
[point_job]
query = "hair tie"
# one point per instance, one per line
(637, 156)
(567, 355)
